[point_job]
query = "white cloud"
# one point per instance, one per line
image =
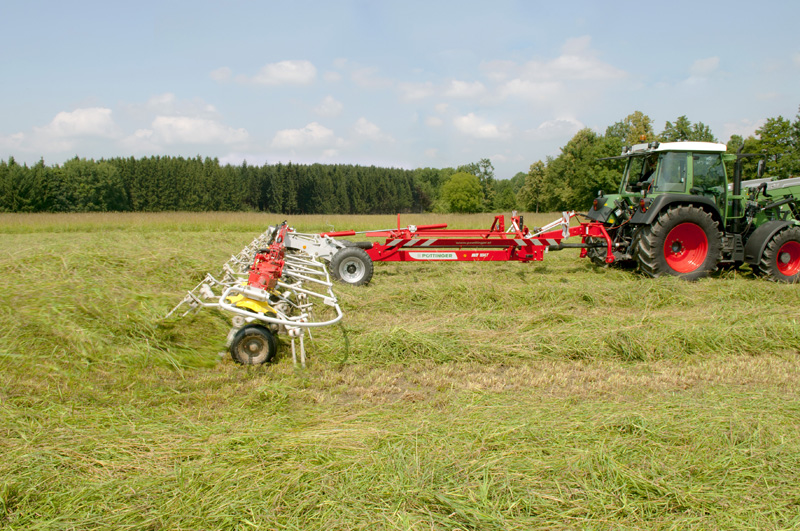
(65, 132)
(465, 89)
(574, 73)
(221, 74)
(329, 107)
(499, 70)
(141, 141)
(557, 128)
(533, 90)
(286, 73)
(366, 129)
(704, 67)
(167, 104)
(192, 130)
(331, 76)
(431, 153)
(13, 142)
(576, 62)
(93, 121)
(743, 128)
(433, 121)
(416, 91)
(368, 78)
(476, 127)
(312, 135)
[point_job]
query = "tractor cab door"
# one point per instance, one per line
(672, 173)
(708, 178)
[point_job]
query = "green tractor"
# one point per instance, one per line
(679, 213)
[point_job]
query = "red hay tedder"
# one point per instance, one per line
(352, 263)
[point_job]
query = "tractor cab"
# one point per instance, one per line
(694, 168)
(686, 168)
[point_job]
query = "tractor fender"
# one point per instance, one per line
(664, 201)
(758, 241)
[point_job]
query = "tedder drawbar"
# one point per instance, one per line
(273, 285)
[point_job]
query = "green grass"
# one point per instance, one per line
(551, 395)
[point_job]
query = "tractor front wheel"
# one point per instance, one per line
(253, 345)
(352, 265)
(780, 261)
(684, 241)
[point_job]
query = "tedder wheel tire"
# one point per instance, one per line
(780, 261)
(253, 345)
(684, 242)
(352, 265)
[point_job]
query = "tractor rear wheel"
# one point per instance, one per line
(780, 261)
(253, 345)
(352, 265)
(684, 241)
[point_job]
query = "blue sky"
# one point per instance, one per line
(394, 83)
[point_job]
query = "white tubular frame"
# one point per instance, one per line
(301, 266)
(313, 245)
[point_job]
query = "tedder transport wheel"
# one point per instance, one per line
(780, 261)
(253, 345)
(352, 265)
(684, 241)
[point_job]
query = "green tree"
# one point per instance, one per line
(93, 186)
(632, 128)
(505, 200)
(573, 178)
(463, 193)
(775, 140)
(530, 197)
(684, 130)
(518, 181)
(484, 171)
(793, 162)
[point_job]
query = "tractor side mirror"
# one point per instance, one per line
(761, 167)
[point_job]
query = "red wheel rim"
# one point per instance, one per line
(788, 258)
(686, 247)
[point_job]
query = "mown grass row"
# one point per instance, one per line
(456, 396)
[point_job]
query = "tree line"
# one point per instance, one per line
(567, 181)
(194, 184)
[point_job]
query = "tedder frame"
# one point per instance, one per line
(351, 262)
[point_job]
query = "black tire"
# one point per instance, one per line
(622, 260)
(352, 265)
(596, 254)
(684, 241)
(253, 345)
(780, 261)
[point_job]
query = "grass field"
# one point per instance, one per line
(456, 396)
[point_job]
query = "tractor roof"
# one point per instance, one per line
(639, 150)
(653, 147)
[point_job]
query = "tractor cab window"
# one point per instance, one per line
(671, 173)
(640, 172)
(708, 177)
